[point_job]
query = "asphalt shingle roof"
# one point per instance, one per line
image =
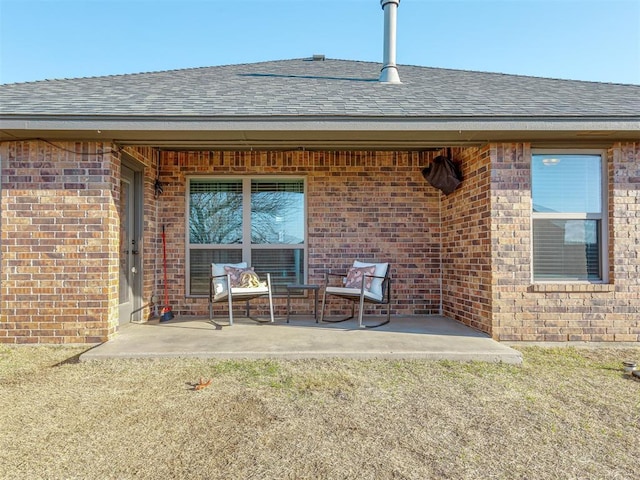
(329, 88)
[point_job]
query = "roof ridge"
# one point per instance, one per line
(327, 59)
(170, 70)
(514, 75)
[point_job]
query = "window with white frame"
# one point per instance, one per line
(569, 217)
(258, 220)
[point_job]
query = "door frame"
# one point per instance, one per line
(134, 314)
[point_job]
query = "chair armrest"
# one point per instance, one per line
(328, 276)
(375, 276)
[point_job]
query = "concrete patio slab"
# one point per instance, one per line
(410, 337)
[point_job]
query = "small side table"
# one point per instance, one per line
(301, 286)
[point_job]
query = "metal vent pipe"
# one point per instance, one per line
(389, 72)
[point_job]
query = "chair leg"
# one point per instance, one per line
(375, 325)
(211, 320)
(324, 298)
(361, 311)
(271, 315)
(270, 298)
(322, 319)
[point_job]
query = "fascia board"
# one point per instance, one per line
(185, 124)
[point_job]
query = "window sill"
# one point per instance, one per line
(274, 295)
(572, 287)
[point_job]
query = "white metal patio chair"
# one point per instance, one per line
(364, 282)
(225, 285)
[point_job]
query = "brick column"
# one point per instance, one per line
(466, 243)
(59, 242)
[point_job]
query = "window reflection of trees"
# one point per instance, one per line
(216, 217)
(270, 213)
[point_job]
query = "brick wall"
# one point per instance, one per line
(510, 203)
(60, 237)
(556, 312)
(59, 242)
(466, 242)
(623, 321)
(365, 205)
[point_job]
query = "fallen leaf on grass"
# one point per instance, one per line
(202, 384)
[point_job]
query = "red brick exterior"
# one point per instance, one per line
(60, 234)
(466, 242)
(574, 312)
(59, 242)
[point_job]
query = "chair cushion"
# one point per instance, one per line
(218, 269)
(355, 275)
(381, 271)
(353, 292)
(241, 293)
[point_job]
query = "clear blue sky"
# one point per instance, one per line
(596, 40)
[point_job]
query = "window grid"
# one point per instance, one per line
(282, 255)
(569, 241)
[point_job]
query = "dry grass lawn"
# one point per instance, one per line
(566, 413)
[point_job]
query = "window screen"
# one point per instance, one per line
(567, 217)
